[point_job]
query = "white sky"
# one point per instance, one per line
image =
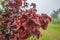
(46, 6)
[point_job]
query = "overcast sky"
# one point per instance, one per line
(46, 6)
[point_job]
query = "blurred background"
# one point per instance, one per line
(51, 8)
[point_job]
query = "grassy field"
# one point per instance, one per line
(52, 33)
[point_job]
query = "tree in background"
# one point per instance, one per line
(56, 16)
(55, 13)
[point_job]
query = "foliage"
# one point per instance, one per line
(19, 24)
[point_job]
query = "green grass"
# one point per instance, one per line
(52, 33)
